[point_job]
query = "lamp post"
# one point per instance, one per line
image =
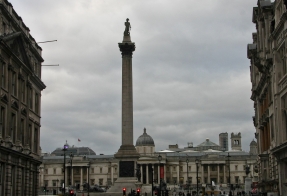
(187, 182)
(159, 159)
(228, 158)
(88, 178)
(196, 162)
(65, 148)
(71, 161)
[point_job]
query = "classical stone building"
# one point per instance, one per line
(268, 70)
(173, 168)
(20, 105)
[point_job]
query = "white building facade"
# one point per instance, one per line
(174, 169)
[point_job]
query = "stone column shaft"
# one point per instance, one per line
(208, 174)
(8, 180)
(202, 174)
(146, 173)
(218, 178)
(81, 180)
(112, 175)
(177, 174)
(87, 175)
(224, 175)
(127, 101)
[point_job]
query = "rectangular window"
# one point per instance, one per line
(3, 76)
(101, 170)
(13, 127)
(236, 167)
(36, 140)
(37, 103)
(174, 169)
(101, 182)
(54, 183)
(4, 28)
(174, 180)
(30, 98)
(46, 171)
(92, 170)
(14, 84)
(23, 89)
(54, 170)
(181, 168)
(2, 123)
(22, 131)
(109, 182)
(29, 138)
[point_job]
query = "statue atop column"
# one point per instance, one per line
(128, 28)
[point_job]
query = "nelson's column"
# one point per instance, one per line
(127, 154)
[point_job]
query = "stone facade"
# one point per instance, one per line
(268, 71)
(173, 168)
(20, 105)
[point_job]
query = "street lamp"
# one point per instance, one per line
(71, 161)
(88, 178)
(187, 182)
(159, 159)
(228, 158)
(65, 148)
(196, 162)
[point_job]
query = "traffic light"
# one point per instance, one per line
(124, 191)
(138, 192)
(133, 193)
(71, 192)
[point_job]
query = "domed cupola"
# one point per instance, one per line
(145, 144)
(253, 148)
(145, 140)
(253, 143)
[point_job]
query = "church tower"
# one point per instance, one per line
(236, 141)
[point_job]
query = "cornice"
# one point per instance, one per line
(279, 26)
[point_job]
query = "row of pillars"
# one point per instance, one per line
(200, 172)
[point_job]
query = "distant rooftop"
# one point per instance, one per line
(74, 149)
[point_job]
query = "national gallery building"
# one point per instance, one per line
(177, 167)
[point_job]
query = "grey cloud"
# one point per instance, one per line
(190, 71)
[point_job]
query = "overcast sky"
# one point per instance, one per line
(191, 77)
